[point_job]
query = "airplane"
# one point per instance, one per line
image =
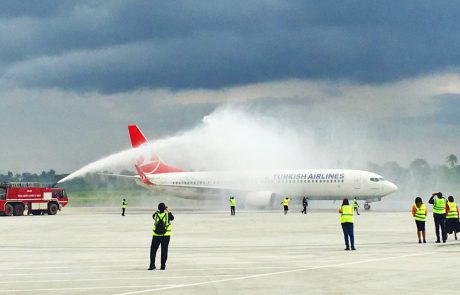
(258, 188)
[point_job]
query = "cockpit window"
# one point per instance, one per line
(377, 179)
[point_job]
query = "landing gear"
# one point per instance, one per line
(367, 206)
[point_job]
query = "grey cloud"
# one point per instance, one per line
(119, 46)
(449, 109)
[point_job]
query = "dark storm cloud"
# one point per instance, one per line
(113, 46)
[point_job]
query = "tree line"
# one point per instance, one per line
(85, 183)
(420, 177)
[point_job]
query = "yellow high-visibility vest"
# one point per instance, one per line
(420, 214)
(452, 210)
(123, 204)
(232, 202)
(439, 206)
(285, 202)
(165, 217)
(347, 214)
(355, 204)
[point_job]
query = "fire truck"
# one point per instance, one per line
(36, 198)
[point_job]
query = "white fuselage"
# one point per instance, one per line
(324, 184)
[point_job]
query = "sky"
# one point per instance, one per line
(365, 80)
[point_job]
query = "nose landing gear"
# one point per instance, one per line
(367, 206)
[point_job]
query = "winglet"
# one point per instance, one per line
(136, 135)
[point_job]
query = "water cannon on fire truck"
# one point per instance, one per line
(34, 197)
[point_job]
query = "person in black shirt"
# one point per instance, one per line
(305, 205)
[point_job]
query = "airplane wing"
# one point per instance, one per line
(119, 175)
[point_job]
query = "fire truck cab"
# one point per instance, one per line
(36, 198)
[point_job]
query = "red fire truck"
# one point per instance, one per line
(36, 198)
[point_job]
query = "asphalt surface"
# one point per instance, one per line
(96, 251)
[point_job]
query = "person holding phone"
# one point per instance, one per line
(161, 235)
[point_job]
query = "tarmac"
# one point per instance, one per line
(97, 251)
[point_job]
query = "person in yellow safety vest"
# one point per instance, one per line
(439, 215)
(123, 207)
(452, 221)
(355, 205)
(346, 220)
(161, 235)
(285, 204)
(419, 212)
(232, 206)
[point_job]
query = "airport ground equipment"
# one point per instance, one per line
(33, 197)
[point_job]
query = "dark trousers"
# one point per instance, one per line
(122, 211)
(356, 210)
(304, 211)
(347, 228)
(232, 210)
(285, 209)
(156, 242)
(440, 221)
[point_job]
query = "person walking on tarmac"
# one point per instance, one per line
(305, 205)
(123, 207)
(232, 206)
(439, 215)
(355, 205)
(346, 220)
(419, 212)
(161, 235)
(285, 204)
(452, 222)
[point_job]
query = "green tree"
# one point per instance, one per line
(451, 160)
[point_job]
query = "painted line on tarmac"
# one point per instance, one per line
(139, 270)
(113, 279)
(66, 267)
(13, 263)
(107, 265)
(274, 273)
(75, 288)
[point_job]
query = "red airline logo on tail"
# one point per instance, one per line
(149, 163)
(144, 178)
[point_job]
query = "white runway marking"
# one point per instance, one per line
(114, 279)
(140, 270)
(76, 288)
(274, 273)
(69, 273)
(66, 267)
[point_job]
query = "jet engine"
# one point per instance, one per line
(263, 199)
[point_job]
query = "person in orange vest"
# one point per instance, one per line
(419, 212)
(346, 220)
(452, 222)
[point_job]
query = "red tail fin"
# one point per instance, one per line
(149, 162)
(137, 138)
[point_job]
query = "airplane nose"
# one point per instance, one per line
(391, 187)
